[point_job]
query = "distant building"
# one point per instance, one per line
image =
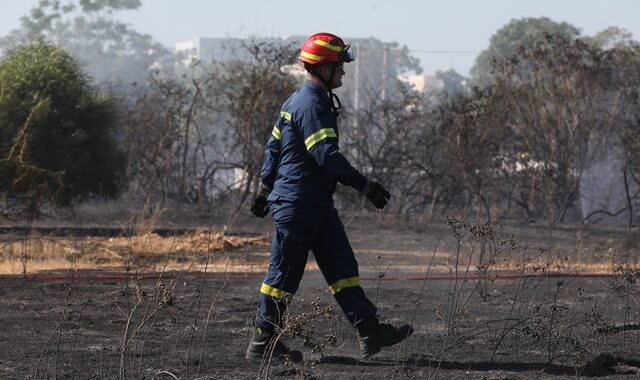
(423, 83)
(221, 49)
(417, 82)
(211, 49)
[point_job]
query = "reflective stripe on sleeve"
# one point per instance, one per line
(276, 133)
(275, 292)
(286, 115)
(319, 136)
(348, 282)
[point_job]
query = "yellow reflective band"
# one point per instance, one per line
(275, 292)
(276, 133)
(349, 282)
(319, 136)
(310, 56)
(286, 115)
(328, 45)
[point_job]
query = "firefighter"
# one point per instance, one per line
(301, 167)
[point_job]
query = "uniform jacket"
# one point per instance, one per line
(301, 159)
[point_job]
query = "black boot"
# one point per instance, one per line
(265, 344)
(373, 335)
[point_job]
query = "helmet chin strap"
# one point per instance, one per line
(334, 100)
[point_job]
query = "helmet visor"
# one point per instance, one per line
(346, 55)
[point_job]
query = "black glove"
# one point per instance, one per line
(260, 206)
(377, 194)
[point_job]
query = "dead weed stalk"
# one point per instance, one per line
(57, 329)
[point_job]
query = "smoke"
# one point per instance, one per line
(602, 192)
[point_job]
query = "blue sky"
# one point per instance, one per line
(443, 34)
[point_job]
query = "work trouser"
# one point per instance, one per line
(300, 227)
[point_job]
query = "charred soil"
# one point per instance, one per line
(486, 302)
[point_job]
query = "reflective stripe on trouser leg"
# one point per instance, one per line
(275, 292)
(272, 305)
(343, 283)
(339, 267)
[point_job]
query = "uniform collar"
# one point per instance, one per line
(314, 86)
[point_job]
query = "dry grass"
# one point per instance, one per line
(398, 251)
(147, 251)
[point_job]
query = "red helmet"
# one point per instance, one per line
(325, 47)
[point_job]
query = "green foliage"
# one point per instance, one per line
(110, 49)
(56, 141)
(507, 39)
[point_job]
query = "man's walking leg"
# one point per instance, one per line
(289, 252)
(340, 269)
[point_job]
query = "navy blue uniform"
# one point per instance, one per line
(302, 165)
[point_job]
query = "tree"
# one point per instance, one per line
(505, 42)
(473, 132)
(251, 94)
(561, 108)
(55, 129)
(453, 84)
(631, 145)
(110, 49)
(154, 123)
(199, 137)
(612, 37)
(376, 139)
(627, 78)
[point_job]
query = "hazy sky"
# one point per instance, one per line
(443, 34)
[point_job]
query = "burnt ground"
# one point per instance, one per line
(498, 321)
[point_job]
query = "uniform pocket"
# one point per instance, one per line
(295, 222)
